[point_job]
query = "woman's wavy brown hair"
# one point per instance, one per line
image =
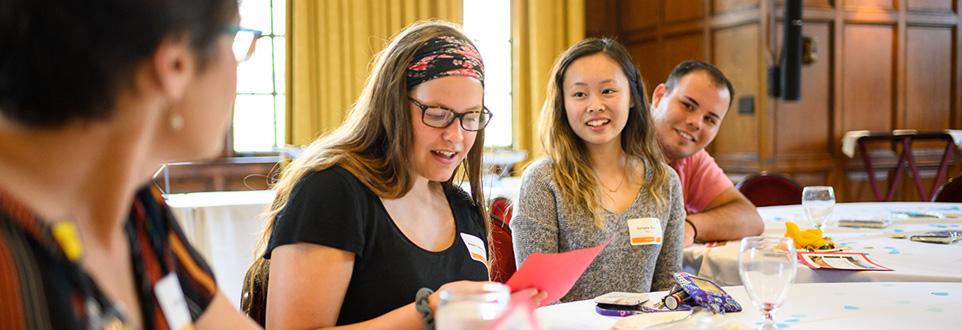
(373, 143)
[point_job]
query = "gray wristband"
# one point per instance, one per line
(422, 306)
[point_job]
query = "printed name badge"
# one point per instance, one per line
(644, 231)
(475, 248)
(172, 302)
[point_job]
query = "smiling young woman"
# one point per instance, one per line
(372, 213)
(604, 178)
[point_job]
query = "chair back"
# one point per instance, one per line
(254, 292)
(769, 189)
(502, 248)
(950, 191)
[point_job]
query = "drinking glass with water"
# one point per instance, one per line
(766, 266)
(818, 202)
(471, 307)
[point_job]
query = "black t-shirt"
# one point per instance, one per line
(332, 208)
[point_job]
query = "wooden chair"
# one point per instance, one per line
(254, 292)
(502, 248)
(769, 189)
(950, 192)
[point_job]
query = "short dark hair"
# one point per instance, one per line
(690, 66)
(62, 60)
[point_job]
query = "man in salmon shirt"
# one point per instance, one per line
(688, 110)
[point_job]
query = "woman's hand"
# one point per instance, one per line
(534, 296)
(434, 298)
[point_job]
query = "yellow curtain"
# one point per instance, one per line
(541, 30)
(330, 45)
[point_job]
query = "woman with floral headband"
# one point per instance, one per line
(372, 212)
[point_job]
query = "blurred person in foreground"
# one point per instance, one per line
(94, 97)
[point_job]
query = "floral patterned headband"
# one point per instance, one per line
(445, 56)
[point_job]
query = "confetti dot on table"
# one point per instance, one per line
(782, 326)
(890, 247)
(894, 252)
(851, 308)
(792, 320)
(936, 225)
(903, 302)
(899, 230)
(934, 310)
(939, 293)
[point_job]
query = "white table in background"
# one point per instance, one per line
(911, 261)
(223, 227)
(879, 305)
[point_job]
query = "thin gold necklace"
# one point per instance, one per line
(602, 183)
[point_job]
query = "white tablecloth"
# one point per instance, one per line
(223, 227)
(911, 261)
(876, 305)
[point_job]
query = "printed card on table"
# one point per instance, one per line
(839, 261)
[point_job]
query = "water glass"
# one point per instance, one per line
(766, 266)
(471, 306)
(818, 202)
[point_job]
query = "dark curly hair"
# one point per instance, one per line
(63, 60)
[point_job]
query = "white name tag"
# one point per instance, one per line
(172, 302)
(476, 248)
(645, 231)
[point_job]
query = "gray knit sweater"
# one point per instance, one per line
(544, 223)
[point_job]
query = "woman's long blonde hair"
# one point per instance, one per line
(374, 142)
(571, 165)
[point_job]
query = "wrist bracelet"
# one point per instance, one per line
(694, 229)
(422, 306)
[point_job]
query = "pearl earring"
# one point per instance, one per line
(176, 121)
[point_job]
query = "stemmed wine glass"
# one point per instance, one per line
(818, 202)
(766, 266)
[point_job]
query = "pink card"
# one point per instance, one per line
(839, 260)
(554, 273)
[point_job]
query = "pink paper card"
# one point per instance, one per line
(554, 273)
(839, 261)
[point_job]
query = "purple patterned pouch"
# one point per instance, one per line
(699, 291)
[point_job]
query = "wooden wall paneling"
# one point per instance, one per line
(929, 74)
(957, 69)
(735, 52)
(638, 15)
(648, 59)
(869, 5)
(930, 5)
(867, 78)
(684, 10)
(804, 127)
(721, 6)
(598, 18)
(816, 4)
(679, 48)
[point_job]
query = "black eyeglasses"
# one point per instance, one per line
(245, 41)
(439, 117)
